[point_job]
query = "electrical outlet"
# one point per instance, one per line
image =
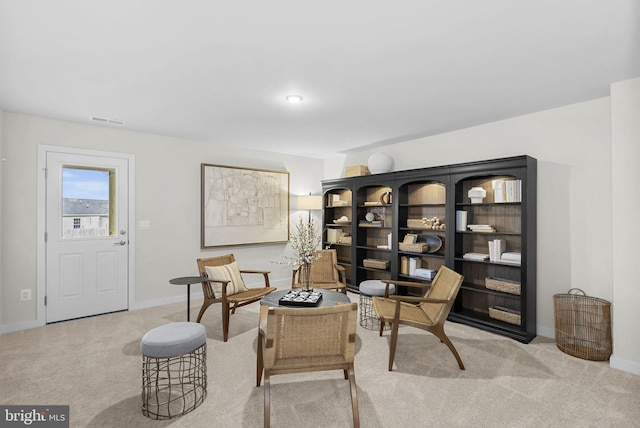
(25, 294)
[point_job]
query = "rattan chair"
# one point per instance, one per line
(295, 340)
(326, 273)
(230, 302)
(427, 313)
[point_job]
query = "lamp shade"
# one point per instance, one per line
(309, 202)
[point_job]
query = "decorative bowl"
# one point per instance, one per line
(434, 242)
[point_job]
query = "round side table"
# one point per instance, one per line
(188, 280)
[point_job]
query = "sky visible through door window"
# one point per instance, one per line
(85, 184)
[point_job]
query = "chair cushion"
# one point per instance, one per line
(230, 273)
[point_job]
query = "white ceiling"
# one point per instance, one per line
(371, 72)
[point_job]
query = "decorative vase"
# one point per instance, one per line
(477, 194)
(305, 277)
(380, 162)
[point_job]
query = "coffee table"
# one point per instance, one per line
(329, 298)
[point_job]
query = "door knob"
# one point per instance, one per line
(121, 243)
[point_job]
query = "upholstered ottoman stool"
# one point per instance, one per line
(174, 369)
(368, 289)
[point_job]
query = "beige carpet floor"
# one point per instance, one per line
(94, 366)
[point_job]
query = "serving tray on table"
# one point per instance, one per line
(301, 298)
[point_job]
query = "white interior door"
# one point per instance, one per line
(87, 240)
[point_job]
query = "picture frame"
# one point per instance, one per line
(243, 206)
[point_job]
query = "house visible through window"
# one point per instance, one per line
(87, 208)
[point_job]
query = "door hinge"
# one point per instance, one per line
(46, 237)
(46, 173)
(45, 300)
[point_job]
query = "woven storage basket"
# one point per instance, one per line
(503, 285)
(418, 247)
(504, 314)
(415, 222)
(375, 263)
(583, 325)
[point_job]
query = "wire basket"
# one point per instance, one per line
(583, 325)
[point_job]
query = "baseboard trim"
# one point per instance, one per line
(19, 326)
(632, 367)
(26, 325)
(546, 332)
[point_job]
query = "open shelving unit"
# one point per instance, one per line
(422, 203)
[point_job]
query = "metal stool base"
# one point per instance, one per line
(368, 318)
(174, 386)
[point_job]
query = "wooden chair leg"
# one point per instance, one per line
(259, 360)
(392, 346)
(354, 397)
(381, 326)
(225, 322)
(440, 334)
(204, 307)
(267, 403)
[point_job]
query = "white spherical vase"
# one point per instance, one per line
(379, 163)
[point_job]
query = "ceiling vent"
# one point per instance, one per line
(107, 120)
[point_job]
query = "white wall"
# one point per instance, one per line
(573, 148)
(3, 180)
(625, 118)
(167, 194)
(582, 177)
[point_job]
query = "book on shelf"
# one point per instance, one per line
(414, 263)
(475, 256)
(374, 223)
(509, 262)
(372, 203)
(513, 256)
(496, 248)
(425, 273)
(404, 265)
(498, 190)
(507, 190)
(487, 228)
(461, 220)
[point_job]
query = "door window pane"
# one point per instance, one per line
(88, 202)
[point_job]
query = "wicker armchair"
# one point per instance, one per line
(295, 340)
(427, 313)
(229, 299)
(326, 273)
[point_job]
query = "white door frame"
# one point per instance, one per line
(41, 259)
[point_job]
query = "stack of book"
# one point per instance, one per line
(428, 274)
(511, 258)
(409, 265)
(486, 228)
(475, 256)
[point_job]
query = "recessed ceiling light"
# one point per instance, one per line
(294, 99)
